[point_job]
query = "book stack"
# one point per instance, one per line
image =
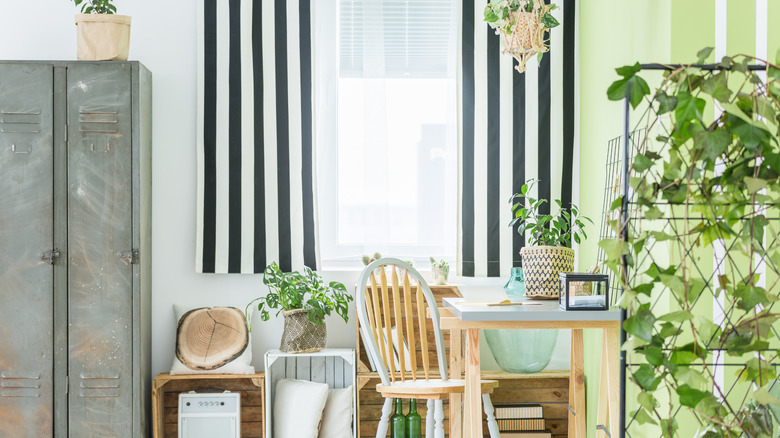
(521, 420)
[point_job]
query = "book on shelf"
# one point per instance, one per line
(520, 424)
(535, 434)
(518, 410)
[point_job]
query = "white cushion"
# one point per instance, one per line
(241, 365)
(298, 406)
(337, 416)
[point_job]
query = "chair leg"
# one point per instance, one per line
(439, 417)
(491, 418)
(429, 418)
(387, 409)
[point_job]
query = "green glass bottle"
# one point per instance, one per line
(398, 421)
(413, 421)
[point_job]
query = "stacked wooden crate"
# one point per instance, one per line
(548, 388)
(165, 400)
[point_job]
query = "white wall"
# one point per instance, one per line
(163, 37)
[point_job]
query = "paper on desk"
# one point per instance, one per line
(499, 303)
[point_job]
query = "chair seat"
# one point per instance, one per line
(436, 389)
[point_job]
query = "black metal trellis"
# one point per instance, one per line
(628, 139)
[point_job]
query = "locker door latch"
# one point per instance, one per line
(129, 257)
(51, 257)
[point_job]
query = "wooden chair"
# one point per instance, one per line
(392, 322)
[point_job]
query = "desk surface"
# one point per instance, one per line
(545, 310)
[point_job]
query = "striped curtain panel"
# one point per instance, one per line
(254, 150)
(513, 127)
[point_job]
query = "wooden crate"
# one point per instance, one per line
(548, 388)
(439, 292)
(165, 400)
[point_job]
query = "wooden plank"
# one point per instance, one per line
(612, 353)
(472, 399)
(248, 430)
(453, 323)
(577, 386)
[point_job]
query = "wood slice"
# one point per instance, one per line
(210, 337)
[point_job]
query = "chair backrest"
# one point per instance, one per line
(392, 314)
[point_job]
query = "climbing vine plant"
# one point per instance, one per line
(705, 187)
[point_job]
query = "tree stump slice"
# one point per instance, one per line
(210, 337)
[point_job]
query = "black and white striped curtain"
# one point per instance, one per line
(513, 127)
(255, 175)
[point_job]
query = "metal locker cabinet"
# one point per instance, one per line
(100, 248)
(26, 231)
(91, 310)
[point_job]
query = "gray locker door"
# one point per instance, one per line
(26, 233)
(100, 244)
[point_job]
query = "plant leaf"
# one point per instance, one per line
(690, 397)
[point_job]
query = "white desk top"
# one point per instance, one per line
(545, 310)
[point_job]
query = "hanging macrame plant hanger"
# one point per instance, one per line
(526, 39)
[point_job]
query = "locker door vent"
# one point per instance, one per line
(20, 122)
(98, 122)
(99, 386)
(18, 385)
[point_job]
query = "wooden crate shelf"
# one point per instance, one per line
(548, 388)
(165, 400)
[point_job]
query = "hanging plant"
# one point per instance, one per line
(704, 236)
(522, 25)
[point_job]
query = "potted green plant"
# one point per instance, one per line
(522, 25)
(102, 35)
(440, 271)
(547, 252)
(304, 300)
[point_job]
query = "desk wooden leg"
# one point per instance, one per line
(577, 423)
(473, 385)
(612, 352)
(602, 417)
(456, 372)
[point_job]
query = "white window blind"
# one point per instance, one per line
(386, 133)
(409, 37)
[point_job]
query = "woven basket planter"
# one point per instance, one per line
(541, 266)
(526, 39)
(300, 334)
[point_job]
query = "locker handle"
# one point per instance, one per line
(14, 150)
(108, 148)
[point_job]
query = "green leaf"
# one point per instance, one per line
(490, 16)
(750, 134)
(647, 401)
(689, 108)
(713, 143)
(642, 163)
(755, 184)
(631, 86)
(690, 397)
(646, 378)
(642, 417)
(549, 21)
(703, 54)
(669, 427)
(678, 316)
(717, 86)
(764, 397)
(614, 248)
(640, 324)
(666, 103)
(750, 296)
(692, 378)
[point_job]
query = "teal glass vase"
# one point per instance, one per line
(515, 287)
(522, 350)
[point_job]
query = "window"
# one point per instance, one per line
(386, 133)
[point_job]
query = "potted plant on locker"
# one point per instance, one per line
(547, 252)
(102, 35)
(304, 300)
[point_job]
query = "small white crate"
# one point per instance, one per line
(334, 366)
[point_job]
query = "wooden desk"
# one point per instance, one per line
(545, 315)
